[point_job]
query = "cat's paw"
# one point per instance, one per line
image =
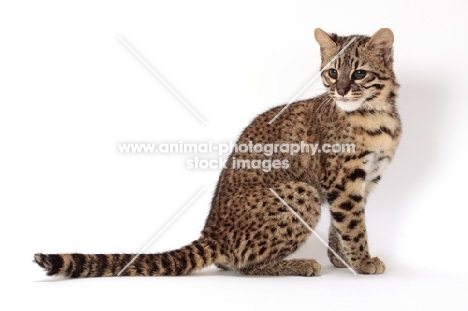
(312, 268)
(335, 261)
(371, 266)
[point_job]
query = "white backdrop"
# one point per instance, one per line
(70, 91)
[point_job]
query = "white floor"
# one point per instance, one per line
(401, 288)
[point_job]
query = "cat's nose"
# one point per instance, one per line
(343, 90)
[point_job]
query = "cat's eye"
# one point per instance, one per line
(359, 74)
(333, 73)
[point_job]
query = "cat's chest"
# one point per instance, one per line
(375, 133)
(368, 142)
(374, 164)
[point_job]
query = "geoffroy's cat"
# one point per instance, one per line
(249, 229)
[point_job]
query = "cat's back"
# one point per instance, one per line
(285, 123)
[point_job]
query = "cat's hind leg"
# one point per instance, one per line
(275, 232)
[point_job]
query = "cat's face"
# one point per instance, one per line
(358, 70)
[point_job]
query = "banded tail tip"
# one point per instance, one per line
(49, 262)
(40, 259)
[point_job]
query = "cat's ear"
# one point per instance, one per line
(382, 41)
(323, 39)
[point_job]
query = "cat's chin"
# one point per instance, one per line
(349, 105)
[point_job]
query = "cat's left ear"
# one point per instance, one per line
(324, 40)
(381, 41)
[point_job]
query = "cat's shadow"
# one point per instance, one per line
(420, 103)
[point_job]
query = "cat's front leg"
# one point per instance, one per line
(348, 232)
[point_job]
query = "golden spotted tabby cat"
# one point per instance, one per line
(249, 229)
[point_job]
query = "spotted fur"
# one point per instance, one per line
(249, 230)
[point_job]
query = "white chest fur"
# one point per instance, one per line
(375, 164)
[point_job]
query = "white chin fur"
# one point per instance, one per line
(349, 105)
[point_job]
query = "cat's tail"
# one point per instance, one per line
(195, 256)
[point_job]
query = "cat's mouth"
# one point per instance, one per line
(348, 104)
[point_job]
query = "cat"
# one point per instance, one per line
(249, 229)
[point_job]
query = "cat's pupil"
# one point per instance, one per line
(333, 73)
(359, 74)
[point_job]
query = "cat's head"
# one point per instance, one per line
(358, 70)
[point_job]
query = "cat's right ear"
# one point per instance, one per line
(324, 40)
(382, 41)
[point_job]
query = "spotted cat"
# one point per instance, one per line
(249, 229)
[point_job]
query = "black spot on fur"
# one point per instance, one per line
(372, 97)
(363, 154)
(332, 195)
(357, 173)
(374, 132)
(346, 237)
(386, 130)
(358, 213)
(338, 216)
(358, 237)
(353, 223)
(347, 206)
(356, 198)
(340, 187)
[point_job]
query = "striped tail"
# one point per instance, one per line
(195, 256)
